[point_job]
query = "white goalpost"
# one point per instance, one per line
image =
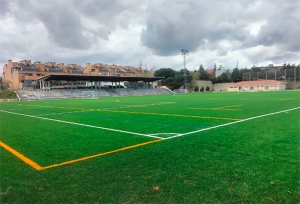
(88, 94)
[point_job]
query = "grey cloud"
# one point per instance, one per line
(166, 27)
(218, 21)
(4, 6)
(109, 14)
(165, 34)
(281, 58)
(281, 30)
(63, 24)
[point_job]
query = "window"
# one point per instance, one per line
(21, 75)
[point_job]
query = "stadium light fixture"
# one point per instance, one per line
(184, 52)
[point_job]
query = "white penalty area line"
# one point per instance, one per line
(80, 124)
(231, 123)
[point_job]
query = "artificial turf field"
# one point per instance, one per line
(189, 148)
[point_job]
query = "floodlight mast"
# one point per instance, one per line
(184, 52)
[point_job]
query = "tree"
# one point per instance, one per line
(174, 79)
(195, 76)
(189, 77)
(235, 75)
(203, 73)
(165, 72)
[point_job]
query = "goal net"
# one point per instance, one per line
(88, 94)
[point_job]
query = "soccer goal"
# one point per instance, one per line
(88, 94)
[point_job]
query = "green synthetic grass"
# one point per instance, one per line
(253, 161)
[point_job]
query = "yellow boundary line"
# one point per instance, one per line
(221, 108)
(39, 168)
(286, 99)
(176, 115)
(101, 154)
(21, 156)
(229, 109)
(160, 114)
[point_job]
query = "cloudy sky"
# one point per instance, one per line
(126, 32)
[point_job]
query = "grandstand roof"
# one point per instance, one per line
(85, 77)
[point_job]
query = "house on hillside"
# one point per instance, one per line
(210, 71)
(24, 74)
(260, 85)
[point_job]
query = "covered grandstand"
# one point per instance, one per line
(70, 81)
(90, 86)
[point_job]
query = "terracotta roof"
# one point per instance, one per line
(209, 71)
(259, 82)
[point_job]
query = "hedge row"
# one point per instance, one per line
(7, 94)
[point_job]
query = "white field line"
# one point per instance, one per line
(85, 125)
(61, 113)
(231, 123)
(171, 133)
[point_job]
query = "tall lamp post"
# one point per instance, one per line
(184, 53)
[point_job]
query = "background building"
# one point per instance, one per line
(24, 74)
(261, 85)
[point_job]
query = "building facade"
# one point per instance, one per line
(260, 85)
(24, 74)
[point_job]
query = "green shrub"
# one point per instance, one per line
(7, 94)
(196, 89)
(207, 88)
(202, 89)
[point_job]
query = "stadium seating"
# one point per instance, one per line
(86, 93)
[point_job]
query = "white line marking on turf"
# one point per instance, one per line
(231, 123)
(171, 133)
(79, 124)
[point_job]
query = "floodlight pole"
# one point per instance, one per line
(184, 53)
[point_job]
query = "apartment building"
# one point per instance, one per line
(24, 74)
